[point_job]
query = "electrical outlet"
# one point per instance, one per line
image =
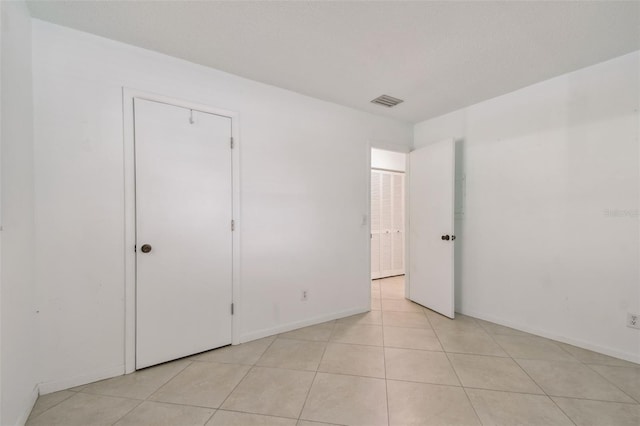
(633, 321)
(305, 294)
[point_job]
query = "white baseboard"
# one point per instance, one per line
(83, 379)
(553, 336)
(27, 411)
(54, 386)
(259, 334)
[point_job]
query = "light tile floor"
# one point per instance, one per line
(399, 364)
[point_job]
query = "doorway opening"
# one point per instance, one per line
(388, 214)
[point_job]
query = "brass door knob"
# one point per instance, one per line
(146, 248)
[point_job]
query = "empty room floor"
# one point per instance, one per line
(399, 364)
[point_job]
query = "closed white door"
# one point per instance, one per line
(387, 223)
(431, 226)
(183, 231)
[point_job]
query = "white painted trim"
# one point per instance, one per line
(407, 227)
(553, 336)
(27, 412)
(368, 215)
(105, 373)
(130, 214)
(266, 332)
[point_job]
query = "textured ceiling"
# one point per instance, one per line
(437, 56)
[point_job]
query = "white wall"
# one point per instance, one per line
(303, 192)
(388, 160)
(18, 341)
(549, 226)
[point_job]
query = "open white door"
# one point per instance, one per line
(183, 231)
(431, 223)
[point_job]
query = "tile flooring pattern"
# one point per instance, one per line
(399, 364)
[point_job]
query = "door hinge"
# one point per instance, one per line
(231, 142)
(232, 309)
(135, 249)
(233, 225)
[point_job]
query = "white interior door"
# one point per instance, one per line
(183, 215)
(431, 226)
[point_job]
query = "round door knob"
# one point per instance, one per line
(146, 248)
(445, 237)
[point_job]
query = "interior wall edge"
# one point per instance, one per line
(32, 402)
(82, 379)
(259, 334)
(627, 356)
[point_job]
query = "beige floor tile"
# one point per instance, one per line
(506, 408)
(85, 410)
(533, 347)
(584, 412)
(245, 353)
(77, 388)
(357, 360)
(392, 290)
(590, 357)
(358, 334)
(411, 338)
(477, 343)
(45, 402)
(461, 323)
(405, 319)
(571, 379)
(310, 423)
(419, 366)
(317, 333)
(160, 414)
(205, 384)
(488, 372)
(400, 305)
(346, 400)
(626, 378)
(428, 405)
(493, 328)
(293, 354)
(369, 318)
(232, 418)
(395, 279)
(138, 385)
(376, 304)
(271, 391)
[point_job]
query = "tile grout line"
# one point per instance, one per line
(245, 375)
(150, 395)
(128, 412)
(384, 363)
(54, 405)
(611, 382)
(528, 375)
(306, 398)
(456, 373)
(167, 381)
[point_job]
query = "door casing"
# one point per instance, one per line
(130, 214)
(403, 150)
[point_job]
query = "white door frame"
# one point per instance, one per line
(130, 215)
(406, 151)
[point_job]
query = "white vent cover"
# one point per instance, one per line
(386, 100)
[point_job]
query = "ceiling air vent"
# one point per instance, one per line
(386, 100)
